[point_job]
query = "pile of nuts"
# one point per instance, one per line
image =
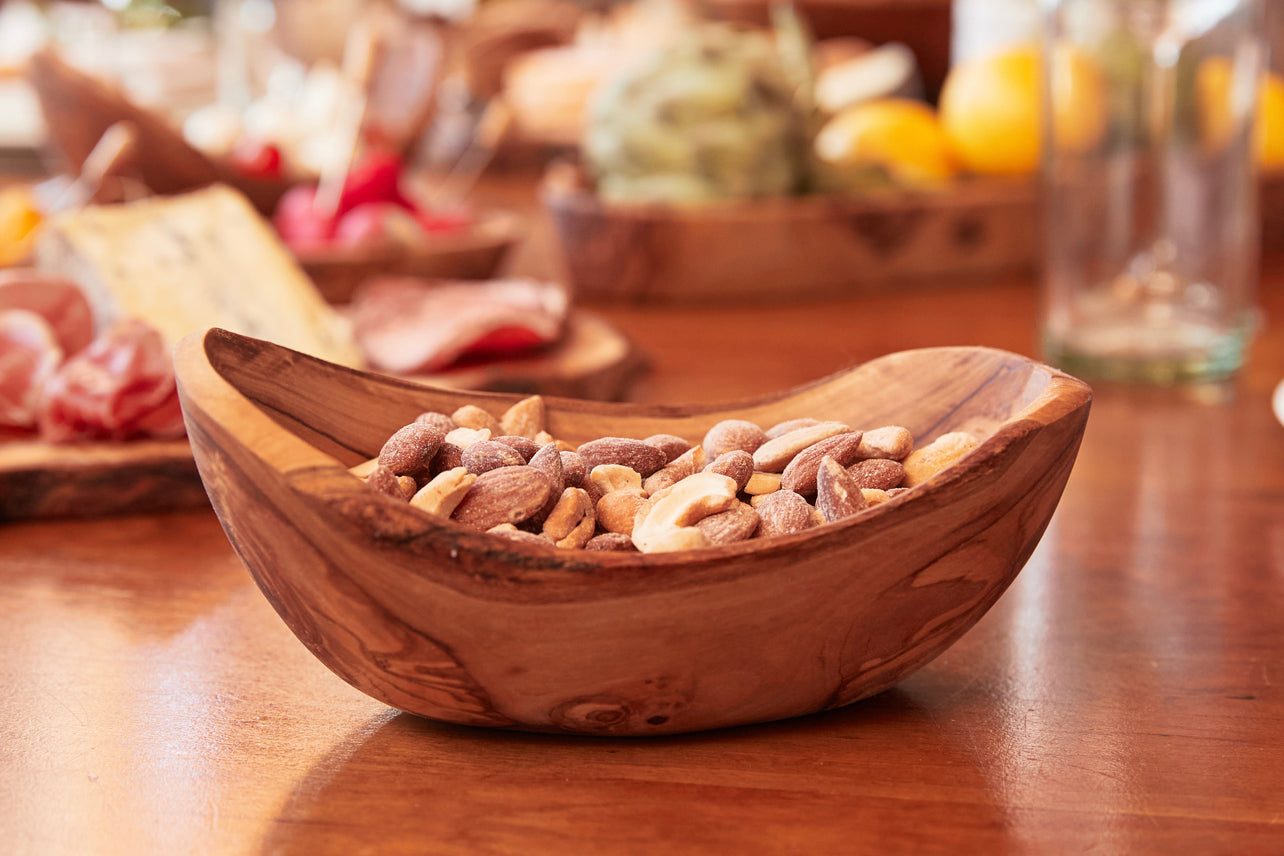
(508, 476)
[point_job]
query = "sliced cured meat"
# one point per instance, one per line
(411, 326)
(120, 386)
(29, 356)
(56, 299)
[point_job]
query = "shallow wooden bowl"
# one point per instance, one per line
(447, 623)
(787, 249)
(475, 253)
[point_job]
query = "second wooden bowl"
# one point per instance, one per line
(794, 248)
(475, 253)
(432, 618)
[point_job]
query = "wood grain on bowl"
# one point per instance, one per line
(786, 249)
(448, 623)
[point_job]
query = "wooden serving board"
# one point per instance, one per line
(42, 480)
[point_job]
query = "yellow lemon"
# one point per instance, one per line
(990, 108)
(19, 219)
(898, 135)
(1215, 115)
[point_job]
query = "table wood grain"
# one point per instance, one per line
(1125, 696)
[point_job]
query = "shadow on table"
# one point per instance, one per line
(885, 775)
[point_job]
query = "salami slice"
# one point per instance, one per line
(119, 387)
(29, 356)
(411, 326)
(59, 301)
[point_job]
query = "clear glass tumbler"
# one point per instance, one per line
(1150, 186)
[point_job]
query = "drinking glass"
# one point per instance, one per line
(1150, 186)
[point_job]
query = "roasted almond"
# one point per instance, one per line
(671, 444)
(487, 455)
(410, 450)
(736, 465)
(737, 523)
(611, 541)
(505, 495)
(574, 467)
(879, 473)
(783, 513)
(548, 460)
(437, 420)
(774, 455)
(635, 454)
(800, 475)
(524, 446)
(837, 493)
(732, 435)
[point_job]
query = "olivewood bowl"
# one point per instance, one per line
(461, 626)
(473, 253)
(787, 248)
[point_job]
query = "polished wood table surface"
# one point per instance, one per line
(1126, 695)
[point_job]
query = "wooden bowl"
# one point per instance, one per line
(475, 253)
(794, 248)
(456, 625)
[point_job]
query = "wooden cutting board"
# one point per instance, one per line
(40, 480)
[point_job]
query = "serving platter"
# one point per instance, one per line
(42, 480)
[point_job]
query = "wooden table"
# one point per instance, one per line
(1126, 695)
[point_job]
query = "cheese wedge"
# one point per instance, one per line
(184, 263)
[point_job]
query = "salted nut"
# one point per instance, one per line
(611, 477)
(442, 495)
(680, 507)
(773, 455)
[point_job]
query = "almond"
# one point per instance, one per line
(448, 457)
(437, 420)
(737, 523)
(549, 462)
(472, 416)
(385, 481)
(879, 473)
(774, 455)
(732, 435)
(612, 541)
(410, 450)
(890, 441)
(639, 456)
(837, 493)
(736, 465)
(575, 468)
(487, 455)
(800, 475)
(525, 418)
(524, 446)
(671, 444)
(505, 495)
(512, 533)
(783, 513)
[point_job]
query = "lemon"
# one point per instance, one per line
(990, 107)
(898, 135)
(1215, 114)
(19, 219)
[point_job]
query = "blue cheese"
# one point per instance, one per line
(184, 263)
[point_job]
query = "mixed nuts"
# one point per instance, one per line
(508, 476)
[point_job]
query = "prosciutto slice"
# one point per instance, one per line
(410, 326)
(59, 301)
(120, 386)
(29, 356)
